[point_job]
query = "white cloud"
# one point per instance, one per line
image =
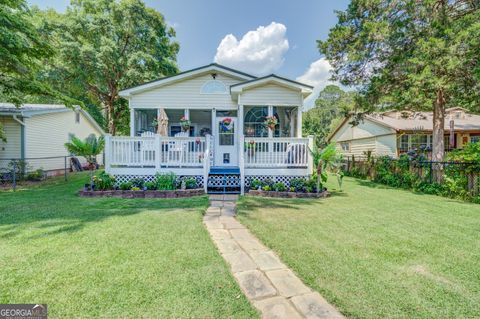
(259, 52)
(317, 75)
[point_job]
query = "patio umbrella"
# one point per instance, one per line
(162, 123)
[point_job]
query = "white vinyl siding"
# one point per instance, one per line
(271, 94)
(46, 135)
(11, 148)
(186, 94)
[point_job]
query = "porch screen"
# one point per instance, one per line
(254, 121)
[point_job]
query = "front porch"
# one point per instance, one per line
(276, 158)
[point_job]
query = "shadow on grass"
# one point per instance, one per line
(56, 209)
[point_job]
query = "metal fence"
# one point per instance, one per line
(15, 171)
(462, 177)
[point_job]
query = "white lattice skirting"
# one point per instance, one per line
(150, 178)
(284, 179)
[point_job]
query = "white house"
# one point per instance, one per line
(37, 133)
(226, 143)
(393, 133)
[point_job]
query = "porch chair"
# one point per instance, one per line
(147, 147)
(296, 154)
(177, 149)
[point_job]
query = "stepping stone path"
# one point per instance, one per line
(269, 285)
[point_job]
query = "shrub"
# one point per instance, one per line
(266, 188)
(125, 186)
(20, 167)
(310, 185)
(36, 175)
(268, 182)
(298, 184)
(166, 181)
(151, 186)
(138, 182)
(279, 187)
(256, 184)
(103, 181)
(190, 182)
(135, 188)
(292, 189)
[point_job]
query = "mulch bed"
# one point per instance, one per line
(143, 194)
(287, 194)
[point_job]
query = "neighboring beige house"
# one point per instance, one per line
(393, 133)
(41, 130)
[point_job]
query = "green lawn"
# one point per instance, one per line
(118, 258)
(377, 252)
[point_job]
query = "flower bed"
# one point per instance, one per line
(143, 193)
(263, 193)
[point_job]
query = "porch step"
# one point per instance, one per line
(224, 180)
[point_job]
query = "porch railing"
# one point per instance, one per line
(157, 151)
(277, 152)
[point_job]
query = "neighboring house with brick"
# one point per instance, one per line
(393, 133)
(36, 131)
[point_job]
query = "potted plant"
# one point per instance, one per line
(271, 122)
(185, 123)
(250, 146)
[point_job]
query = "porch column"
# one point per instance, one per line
(270, 113)
(241, 146)
(214, 119)
(132, 122)
(299, 121)
(186, 113)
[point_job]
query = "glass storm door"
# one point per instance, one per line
(226, 148)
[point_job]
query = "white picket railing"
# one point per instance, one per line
(276, 152)
(157, 151)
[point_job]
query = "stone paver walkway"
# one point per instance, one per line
(269, 285)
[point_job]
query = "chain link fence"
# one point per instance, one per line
(18, 171)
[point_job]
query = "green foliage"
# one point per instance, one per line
(89, 148)
(331, 106)
(327, 160)
(106, 46)
(190, 182)
(167, 181)
(279, 187)
(20, 168)
(36, 175)
(256, 184)
(103, 181)
(267, 188)
(408, 55)
(125, 186)
(151, 186)
(298, 184)
(138, 182)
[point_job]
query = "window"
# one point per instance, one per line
(474, 138)
(226, 137)
(345, 146)
(77, 116)
(404, 143)
(415, 142)
(214, 87)
(253, 121)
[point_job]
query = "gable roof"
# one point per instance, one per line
(272, 78)
(182, 75)
(29, 110)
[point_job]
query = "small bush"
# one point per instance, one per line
(279, 187)
(166, 181)
(103, 181)
(268, 182)
(292, 189)
(125, 186)
(135, 188)
(138, 182)
(151, 186)
(266, 188)
(36, 175)
(256, 184)
(190, 182)
(298, 184)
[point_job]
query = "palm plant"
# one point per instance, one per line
(88, 148)
(324, 160)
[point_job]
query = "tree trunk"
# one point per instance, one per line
(438, 140)
(112, 129)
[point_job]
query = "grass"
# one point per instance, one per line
(109, 257)
(378, 252)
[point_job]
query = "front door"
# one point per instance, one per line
(226, 142)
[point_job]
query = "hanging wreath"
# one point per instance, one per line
(226, 124)
(270, 122)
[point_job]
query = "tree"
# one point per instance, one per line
(324, 160)
(22, 52)
(104, 46)
(89, 148)
(331, 105)
(409, 55)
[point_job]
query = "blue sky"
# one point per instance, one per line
(256, 36)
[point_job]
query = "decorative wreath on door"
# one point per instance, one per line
(226, 124)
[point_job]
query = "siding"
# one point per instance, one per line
(387, 145)
(271, 94)
(11, 148)
(186, 94)
(46, 135)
